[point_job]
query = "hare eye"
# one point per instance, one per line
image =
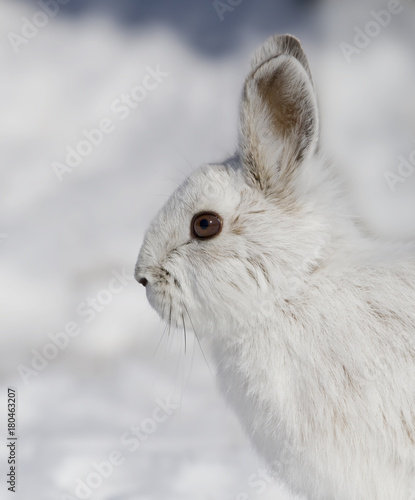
(206, 225)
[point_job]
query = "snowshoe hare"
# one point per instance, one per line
(311, 319)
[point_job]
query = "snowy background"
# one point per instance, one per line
(63, 242)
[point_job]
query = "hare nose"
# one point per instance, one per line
(143, 281)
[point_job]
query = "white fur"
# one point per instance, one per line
(311, 319)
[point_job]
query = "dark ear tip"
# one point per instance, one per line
(279, 45)
(289, 40)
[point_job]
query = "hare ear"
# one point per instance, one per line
(279, 116)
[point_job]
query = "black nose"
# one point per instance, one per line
(143, 281)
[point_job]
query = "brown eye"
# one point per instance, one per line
(206, 226)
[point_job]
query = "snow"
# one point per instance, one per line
(62, 242)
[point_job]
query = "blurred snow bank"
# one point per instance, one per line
(67, 238)
(368, 108)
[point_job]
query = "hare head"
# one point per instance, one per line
(236, 234)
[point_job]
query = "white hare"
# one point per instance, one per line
(312, 320)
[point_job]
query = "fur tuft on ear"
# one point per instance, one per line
(279, 115)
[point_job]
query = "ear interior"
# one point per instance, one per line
(279, 122)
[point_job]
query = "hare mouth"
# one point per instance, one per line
(162, 297)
